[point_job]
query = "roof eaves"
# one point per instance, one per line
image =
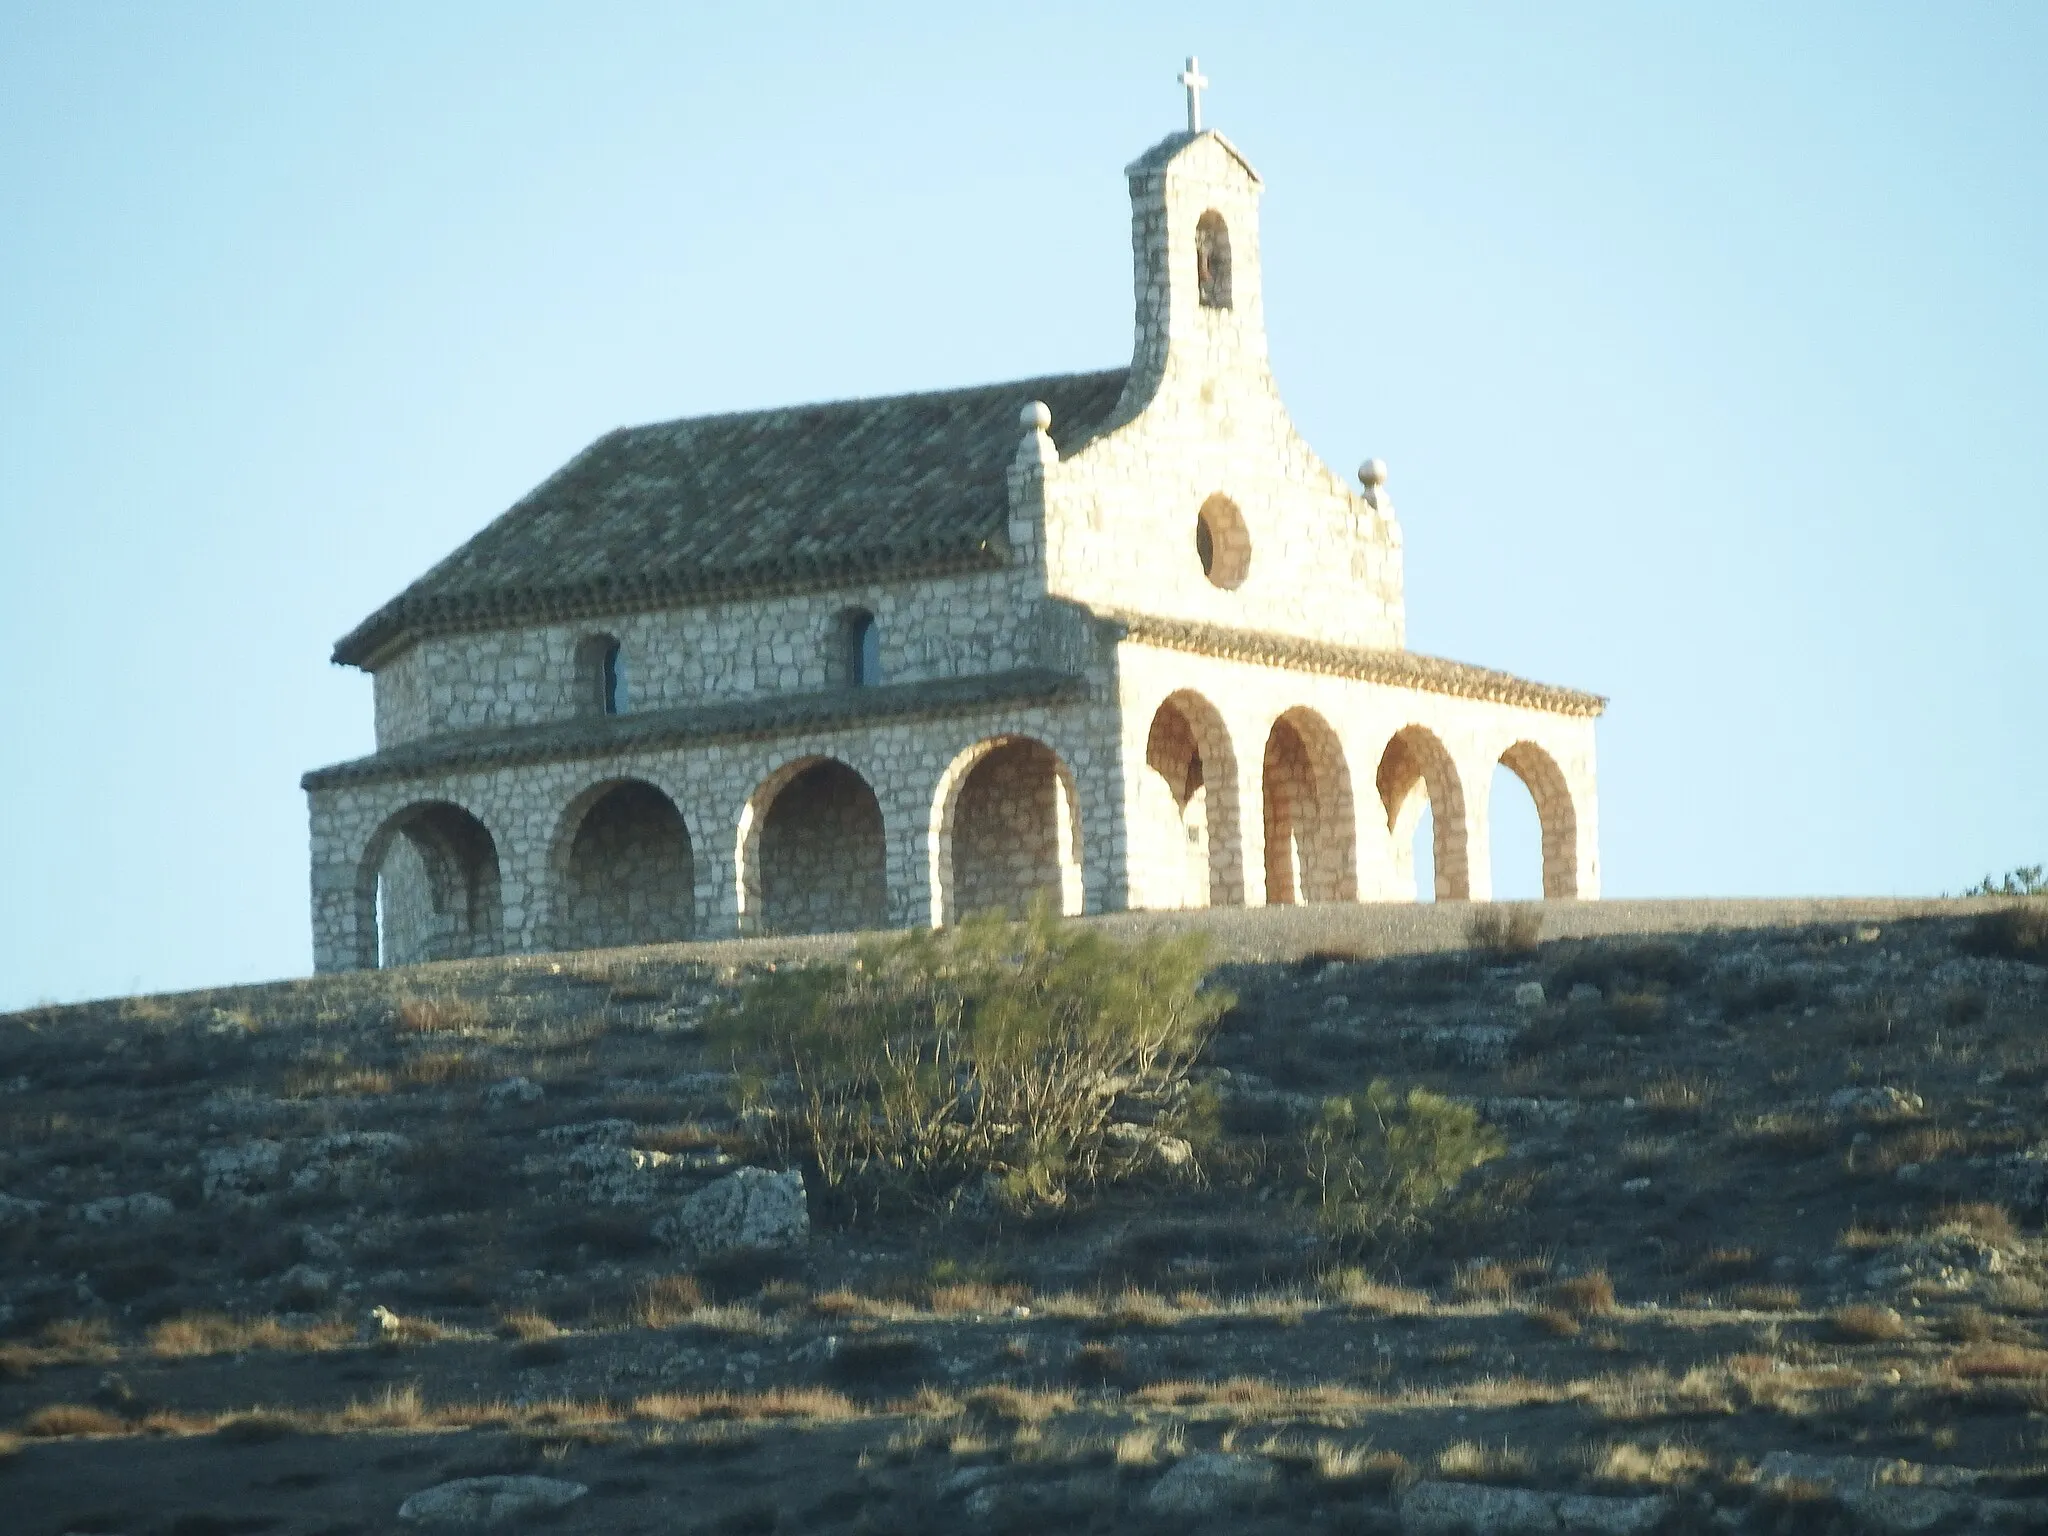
(607, 735)
(1398, 669)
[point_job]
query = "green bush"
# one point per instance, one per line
(2027, 880)
(932, 1058)
(1379, 1161)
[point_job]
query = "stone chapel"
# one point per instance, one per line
(1118, 637)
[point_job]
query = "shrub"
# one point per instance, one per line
(2027, 880)
(1866, 1324)
(1504, 930)
(1378, 1162)
(2010, 933)
(1587, 1295)
(992, 1048)
(60, 1421)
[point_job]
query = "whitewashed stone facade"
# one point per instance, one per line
(1120, 638)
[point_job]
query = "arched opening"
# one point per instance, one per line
(1184, 845)
(1006, 828)
(1415, 775)
(860, 649)
(1212, 260)
(1222, 543)
(812, 853)
(626, 875)
(1556, 818)
(600, 675)
(1311, 843)
(428, 889)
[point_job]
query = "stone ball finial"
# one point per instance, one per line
(1035, 417)
(1372, 474)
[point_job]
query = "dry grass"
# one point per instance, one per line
(1625, 1466)
(813, 1404)
(68, 1341)
(1018, 1405)
(1865, 1323)
(1784, 1133)
(1150, 1445)
(667, 1300)
(1587, 1295)
(436, 1069)
(1500, 929)
(2004, 1362)
(63, 1421)
(1487, 1280)
(965, 1298)
(527, 1326)
(1979, 1219)
(1555, 1322)
(1356, 1289)
(215, 1333)
(1474, 1461)
(1766, 1298)
(441, 1016)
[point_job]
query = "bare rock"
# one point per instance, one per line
(1874, 1103)
(227, 1173)
(750, 1208)
(1474, 1509)
(1210, 1483)
(489, 1500)
(120, 1210)
(1455, 1509)
(17, 1212)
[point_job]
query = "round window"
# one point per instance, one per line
(1221, 543)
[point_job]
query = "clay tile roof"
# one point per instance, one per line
(752, 501)
(1398, 669)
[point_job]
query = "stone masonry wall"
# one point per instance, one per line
(951, 626)
(1205, 419)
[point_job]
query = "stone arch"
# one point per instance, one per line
(1416, 770)
(623, 868)
(813, 855)
(1212, 260)
(1311, 829)
(1556, 813)
(1186, 848)
(428, 888)
(1006, 825)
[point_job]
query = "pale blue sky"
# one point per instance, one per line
(1706, 345)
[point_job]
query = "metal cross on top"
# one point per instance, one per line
(1193, 78)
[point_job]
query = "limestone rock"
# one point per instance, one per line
(514, 1090)
(1874, 1102)
(118, 1210)
(1455, 1509)
(1210, 1482)
(489, 1500)
(751, 1208)
(226, 1173)
(17, 1212)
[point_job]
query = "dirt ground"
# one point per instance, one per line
(279, 1258)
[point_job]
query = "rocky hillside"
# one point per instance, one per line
(1764, 1252)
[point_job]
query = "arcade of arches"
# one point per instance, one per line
(1006, 828)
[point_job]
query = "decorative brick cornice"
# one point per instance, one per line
(608, 735)
(1397, 669)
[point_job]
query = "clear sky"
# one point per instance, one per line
(1706, 344)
